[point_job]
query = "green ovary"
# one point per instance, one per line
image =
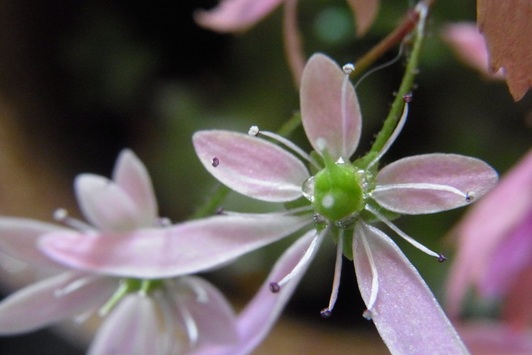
(337, 192)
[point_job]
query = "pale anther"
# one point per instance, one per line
(253, 131)
(367, 314)
(348, 68)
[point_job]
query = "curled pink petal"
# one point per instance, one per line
(329, 108)
(470, 46)
(19, 236)
(54, 299)
(256, 320)
(365, 12)
(432, 183)
(250, 165)
(106, 205)
(132, 177)
(405, 312)
(133, 327)
(166, 252)
(485, 227)
(235, 15)
(510, 257)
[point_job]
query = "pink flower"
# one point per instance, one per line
(344, 199)
(495, 247)
(239, 15)
(144, 315)
(470, 46)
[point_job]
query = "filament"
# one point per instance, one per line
(326, 312)
(254, 131)
(422, 186)
(393, 137)
(403, 234)
(275, 287)
(374, 271)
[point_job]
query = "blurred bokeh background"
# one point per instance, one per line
(80, 80)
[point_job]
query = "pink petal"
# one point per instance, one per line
(250, 165)
(260, 315)
(330, 121)
(106, 205)
(365, 12)
(470, 46)
(510, 257)
(468, 175)
(211, 312)
(486, 225)
(133, 327)
(166, 252)
(235, 15)
(406, 314)
(50, 301)
(132, 177)
(18, 238)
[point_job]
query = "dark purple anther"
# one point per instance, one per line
(441, 258)
(325, 313)
(274, 287)
(408, 97)
(215, 162)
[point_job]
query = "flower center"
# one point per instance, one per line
(337, 191)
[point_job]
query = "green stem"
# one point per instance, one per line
(387, 43)
(407, 82)
(213, 202)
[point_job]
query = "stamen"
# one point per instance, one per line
(254, 131)
(345, 119)
(294, 211)
(403, 234)
(201, 295)
(348, 68)
(61, 216)
(215, 162)
(367, 314)
(374, 273)
(122, 290)
(441, 258)
(74, 286)
(326, 312)
(164, 222)
(469, 196)
(424, 186)
(190, 324)
(275, 287)
(393, 137)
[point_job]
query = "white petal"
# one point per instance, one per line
(177, 250)
(250, 165)
(106, 205)
(260, 315)
(131, 175)
(406, 314)
(329, 108)
(133, 327)
(51, 300)
(18, 238)
(432, 183)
